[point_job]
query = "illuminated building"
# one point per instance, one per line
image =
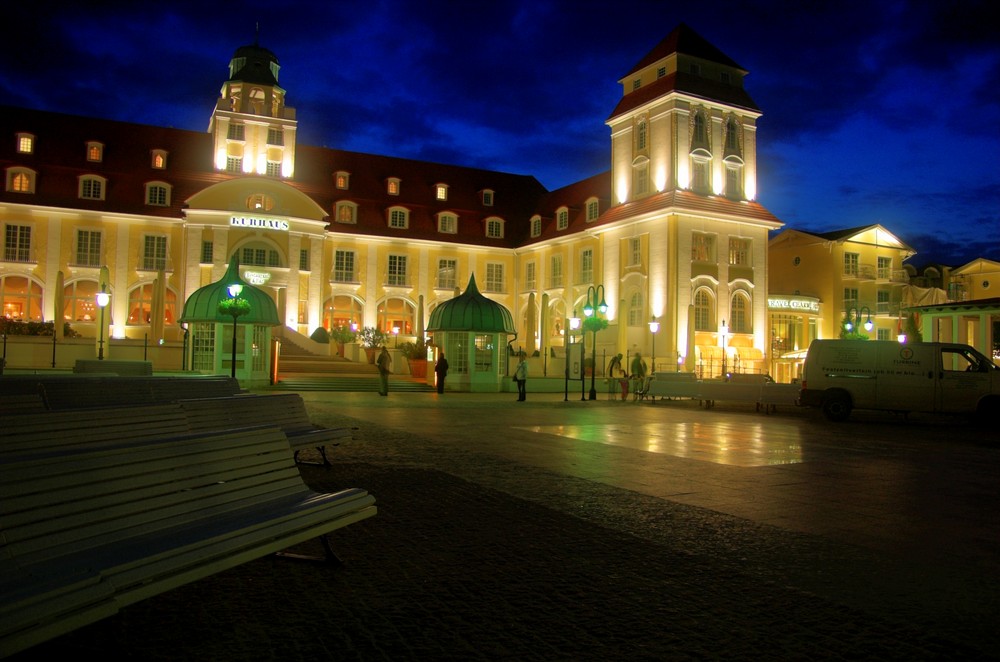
(341, 238)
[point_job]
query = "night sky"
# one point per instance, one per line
(883, 112)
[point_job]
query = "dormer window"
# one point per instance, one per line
(343, 180)
(159, 159)
(494, 228)
(95, 152)
(447, 223)
(346, 212)
(593, 209)
(158, 194)
(636, 84)
(399, 218)
(92, 187)
(487, 197)
(25, 143)
(562, 218)
(661, 72)
(536, 226)
(694, 69)
(392, 186)
(441, 192)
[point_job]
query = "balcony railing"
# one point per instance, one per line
(860, 271)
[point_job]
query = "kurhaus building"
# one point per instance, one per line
(671, 231)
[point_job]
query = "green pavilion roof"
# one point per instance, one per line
(203, 305)
(471, 311)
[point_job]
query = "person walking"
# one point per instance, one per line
(521, 377)
(639, 375)
(383, 363)
(441, 370)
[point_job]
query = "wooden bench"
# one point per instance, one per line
(284, 410)
(82, 391)
(21, 403)
(67, 429)
(88, 531)
(113, 367)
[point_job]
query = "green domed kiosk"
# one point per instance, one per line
(212, 331)
(473, 332)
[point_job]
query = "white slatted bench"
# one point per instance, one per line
(284, 410)
(71, 428)
(85, 532)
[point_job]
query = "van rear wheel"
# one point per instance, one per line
(837, 406)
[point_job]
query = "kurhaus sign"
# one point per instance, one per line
(801, 304)
(263, 223)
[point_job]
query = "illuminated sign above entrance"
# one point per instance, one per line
(262, 223)
(256, 277)
(799, 304)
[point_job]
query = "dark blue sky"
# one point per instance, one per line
(882, 112)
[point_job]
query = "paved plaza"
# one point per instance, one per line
(552, 530)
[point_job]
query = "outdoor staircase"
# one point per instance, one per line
(301, 370)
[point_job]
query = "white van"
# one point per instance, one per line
(841, 375)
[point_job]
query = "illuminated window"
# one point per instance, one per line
(343, 180)
(347, 212)
(88, 248)
(154, 253)
(399, 218)
(158, 194)
(556, 271)
(20, 298)
(17, 243)
(494, 277)
(21, 180)
(392, 186)
(396, 272)
(536, 226)
(159, 159)
(739, 314)
(562, 218)
(140, 306)
(494, 228)
(702, 247)
(739, 251)
(634, 252)
(25, 143)
(447, 274)
(447, 223)
(95, 152)
(92, 187)
(704, 310)
(260, 202)
(441, 191)
(587, 265)
(343, 267)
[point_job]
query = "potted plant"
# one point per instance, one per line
(342, 335)
(416, 357)
(371, 339)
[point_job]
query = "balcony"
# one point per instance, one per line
(860, 272)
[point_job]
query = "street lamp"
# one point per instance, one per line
(574, 324)
(654, 326)
(395, 335)
(236, 307)
(589, 311)
(102, 302)
(723, 330)
(858, 312)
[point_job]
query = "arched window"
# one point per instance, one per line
(739, 313)
(704, 310)
(699, 137)
(140, 306)
(396, 313)
(641, 134)
(80, 301)
(342, 311)
(732, 138)
(21, 298)
(636, 316)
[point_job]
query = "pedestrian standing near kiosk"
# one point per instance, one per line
(383, 364)
(441, 370)
(521, 377)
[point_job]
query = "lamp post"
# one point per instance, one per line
(236, 307)
(395, 336)
(858, 312)
(102, 302)
(654, 326)
(574, 324)
(723, 330)
(589, 311)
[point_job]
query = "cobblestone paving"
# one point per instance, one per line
(475, 558)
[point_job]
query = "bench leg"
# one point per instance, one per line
(322, 452)
(329, 556)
